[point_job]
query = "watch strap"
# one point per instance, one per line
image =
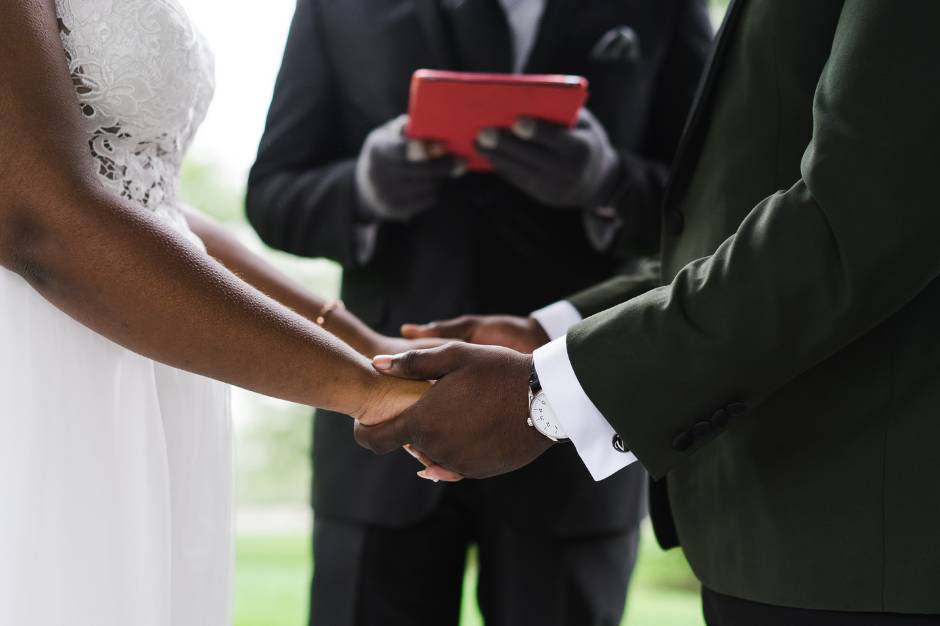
(534, 384)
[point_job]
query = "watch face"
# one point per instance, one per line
(543, 418)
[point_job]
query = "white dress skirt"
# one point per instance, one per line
(115, 479)
(115, 471)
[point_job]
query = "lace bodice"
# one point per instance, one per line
(144, 78)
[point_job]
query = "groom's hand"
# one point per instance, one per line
(473, 419)
(523, 334)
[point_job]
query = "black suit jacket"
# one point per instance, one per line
(486, 247)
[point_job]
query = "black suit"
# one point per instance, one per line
(486, 248)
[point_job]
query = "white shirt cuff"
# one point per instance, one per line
(592, 435)
(557, 318)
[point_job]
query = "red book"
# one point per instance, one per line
(453, 107)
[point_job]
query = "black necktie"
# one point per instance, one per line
(481, 36)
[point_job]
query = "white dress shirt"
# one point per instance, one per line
(592, 435)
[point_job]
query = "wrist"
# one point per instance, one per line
(367, 342)
(372, 391)
(533, 437)
(387, 396)
(542, 417)
(555, 320)
(370, 205)
(362, 388)
(609, 184)
(335, 319)
(537, 333)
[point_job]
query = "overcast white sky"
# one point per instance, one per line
(248, 38)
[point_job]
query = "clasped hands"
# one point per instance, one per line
(472, 421)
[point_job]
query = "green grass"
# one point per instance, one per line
(273, 574)
(272, 579)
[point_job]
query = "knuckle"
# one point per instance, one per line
(450, 349)
(407, 362)
(362, 438)
(466, 323)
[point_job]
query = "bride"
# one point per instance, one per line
(118, 308)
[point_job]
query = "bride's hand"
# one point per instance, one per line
(387, 403)
(432, 471)
(387, 397)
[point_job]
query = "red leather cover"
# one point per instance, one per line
(453, 107)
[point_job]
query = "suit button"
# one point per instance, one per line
(675, 222)
(619, 446)
(703, 430)
(683, 441)
(736, 409)
(720, 419)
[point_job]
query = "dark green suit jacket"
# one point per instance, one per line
(786, 381)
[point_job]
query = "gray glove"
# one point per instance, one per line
(558, 166)
(397, 178)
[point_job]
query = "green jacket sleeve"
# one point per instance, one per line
(810, 269)
(630, 284)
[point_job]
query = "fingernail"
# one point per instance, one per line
(460, 168)
(436, 150)
(407, 330)
(426, 476)
(524, 128)
(415, 151)
(488, 138)
(410, 451)
(383, 362)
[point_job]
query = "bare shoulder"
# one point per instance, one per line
(37, 99)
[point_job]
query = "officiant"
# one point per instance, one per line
(420, 239)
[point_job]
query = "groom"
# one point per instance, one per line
(783, 388)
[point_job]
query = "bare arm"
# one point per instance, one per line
(123, 273)
(254, 270)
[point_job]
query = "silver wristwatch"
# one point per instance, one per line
(541, 416)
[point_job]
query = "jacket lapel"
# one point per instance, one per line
(432, 24)
(692, 137)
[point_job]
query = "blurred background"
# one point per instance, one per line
(273, 438)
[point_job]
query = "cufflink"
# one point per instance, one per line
(619, 445)
(618, 45)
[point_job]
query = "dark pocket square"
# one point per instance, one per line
(618, 45)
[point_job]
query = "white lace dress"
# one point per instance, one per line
(115, 471)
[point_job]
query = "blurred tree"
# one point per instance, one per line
(205, 188)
